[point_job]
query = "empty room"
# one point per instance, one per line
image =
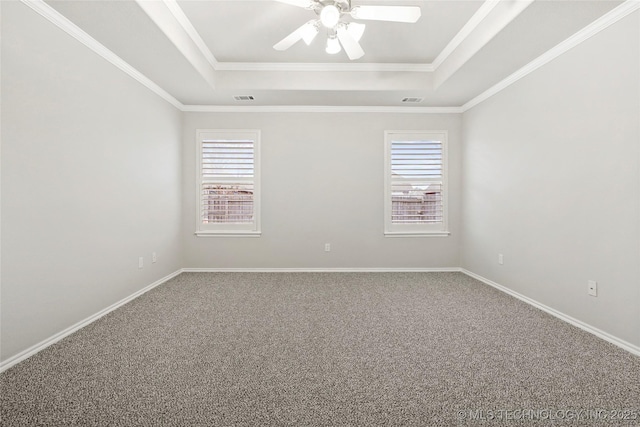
(320, 212)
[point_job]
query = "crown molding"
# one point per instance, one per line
(317, 109)
(76, 32)
(325, 270)
(161, 15)
(401, 2)
(188, 27)
(73, 30)
(39, 6)
(605, 21)
(465, 32)
(191, 31)
(324, 66)
(499, 15)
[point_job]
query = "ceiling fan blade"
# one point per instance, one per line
(349, 44)
(288, 41)
(356, 30)
(305, 31)
(307, 4)
(387, 13)
(309, 31)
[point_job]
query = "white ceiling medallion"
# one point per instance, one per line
(343, 34)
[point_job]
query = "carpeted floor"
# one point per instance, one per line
(324, 349)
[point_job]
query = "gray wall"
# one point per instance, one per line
(90, 181)
(322, 182)
(552, 180)
(97, 170)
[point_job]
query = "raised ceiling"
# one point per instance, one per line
(258, 25)
(202, 53)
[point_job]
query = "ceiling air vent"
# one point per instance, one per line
(243, 97)
(412, 100)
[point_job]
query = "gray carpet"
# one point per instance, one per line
(323, 349)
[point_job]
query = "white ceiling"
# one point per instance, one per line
(258, 25)
(205, 52)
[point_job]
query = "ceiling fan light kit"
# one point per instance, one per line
(343, 34)
(330, 16)
(333, 45)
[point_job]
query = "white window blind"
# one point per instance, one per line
(228, 184)
(415, 193)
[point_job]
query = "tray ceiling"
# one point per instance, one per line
(203, 52)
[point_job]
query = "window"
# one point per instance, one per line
(415, 200)
(228, 183)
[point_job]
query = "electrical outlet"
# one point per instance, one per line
(327, 247)
(500, 259)
(592, 288)
(154, 257)
(140, 262)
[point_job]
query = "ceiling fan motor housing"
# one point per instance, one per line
(343, 6)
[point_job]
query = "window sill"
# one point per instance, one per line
(228, 233)
(414, 234)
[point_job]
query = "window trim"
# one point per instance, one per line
(416, 230)
(229, 230)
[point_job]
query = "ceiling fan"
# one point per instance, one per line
(343, 34)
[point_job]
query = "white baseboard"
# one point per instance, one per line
(57, 337)
(631, 348)
(60, 335)
(322, 270)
